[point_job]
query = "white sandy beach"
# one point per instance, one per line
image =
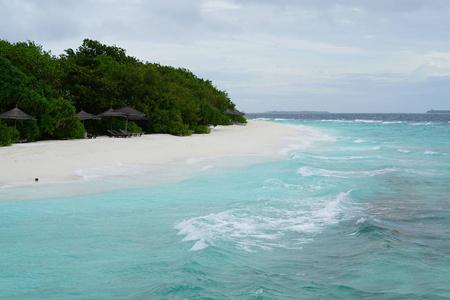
(60, 160)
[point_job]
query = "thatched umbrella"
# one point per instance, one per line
(87, 116)
(131, 114)
(111, 113)
(16, 114)
(234, 112)
(82, 115)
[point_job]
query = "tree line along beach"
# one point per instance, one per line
(94, 78)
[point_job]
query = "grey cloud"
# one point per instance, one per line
(38, 20)
(382, 24)
(53, 19)
(380, 5)
(174, 21)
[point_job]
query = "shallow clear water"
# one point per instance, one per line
(362, 213)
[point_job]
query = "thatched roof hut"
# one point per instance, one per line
(16, 114)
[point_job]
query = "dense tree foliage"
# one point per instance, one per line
(96, 77)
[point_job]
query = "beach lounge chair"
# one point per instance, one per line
(113, 133)
(130, 133)
(123, 132)
(126, 132)
(110, 133)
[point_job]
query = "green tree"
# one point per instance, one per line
(95, 77)
(8, 135)
(59, 120)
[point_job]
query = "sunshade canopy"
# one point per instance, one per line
(16, 114)
(131, 113)
(111, 113)
(126, 112)
(234, 112)
(87, 116)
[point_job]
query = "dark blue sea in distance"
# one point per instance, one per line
(357, 208)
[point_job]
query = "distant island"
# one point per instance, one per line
(297, 112)
(438, 111)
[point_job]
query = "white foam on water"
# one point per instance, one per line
(368, 121)
(307, 171)
(403, 151)
(359, 141)
(259, 292)
(199, 245)
(264, 227)
(361, 220)
(422, 123)
(351, 149)
(338, 121)
(428, 152)
(332, 209)
(277, 184)
(301, 156)
(393, 122)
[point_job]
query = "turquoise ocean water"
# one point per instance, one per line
(361, 213)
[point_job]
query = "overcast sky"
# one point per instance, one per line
(334, 55)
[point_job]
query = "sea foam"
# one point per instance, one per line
(359, 141)
(307, 171)
(264, 227)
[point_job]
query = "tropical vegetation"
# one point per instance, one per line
(96, 77)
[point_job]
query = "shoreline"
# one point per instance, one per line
(52, 161)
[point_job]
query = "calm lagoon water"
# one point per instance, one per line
(363, 212)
